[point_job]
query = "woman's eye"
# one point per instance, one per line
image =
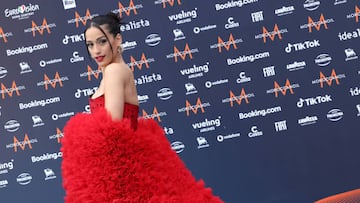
(102, 41)
(89, 45)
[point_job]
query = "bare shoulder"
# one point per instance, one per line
(118, 70)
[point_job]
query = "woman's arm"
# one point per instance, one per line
(115, 77)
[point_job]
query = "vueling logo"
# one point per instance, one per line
(53, 82)
(317, 25)
(272, 34)
(84, 19)
(9, 91)
(170, 2)
(283, 89)
(128, 9)
(330, 79)
(155, 114)
(40, 29)
(226, 44)
(3, 35)
(239, 98)
(139, 64)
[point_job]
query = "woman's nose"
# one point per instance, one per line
(96, 48)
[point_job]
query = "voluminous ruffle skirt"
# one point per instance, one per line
(106, 161)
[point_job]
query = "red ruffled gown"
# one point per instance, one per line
(126, 161)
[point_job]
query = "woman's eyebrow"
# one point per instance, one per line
(96, 38)
(103, 36)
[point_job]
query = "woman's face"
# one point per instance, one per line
(100, 47)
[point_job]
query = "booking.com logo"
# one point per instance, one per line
(28, 49)
(36, 103)
(46, 157)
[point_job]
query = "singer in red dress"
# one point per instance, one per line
(111, 155)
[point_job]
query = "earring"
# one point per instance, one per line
(120, 49)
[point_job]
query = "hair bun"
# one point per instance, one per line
(115, 17)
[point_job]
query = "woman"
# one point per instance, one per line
(110, 156)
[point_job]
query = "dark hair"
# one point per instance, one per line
(110, 20)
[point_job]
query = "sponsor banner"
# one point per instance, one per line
(236, 80)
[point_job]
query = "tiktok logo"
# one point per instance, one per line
(358, 108)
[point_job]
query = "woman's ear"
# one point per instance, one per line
(119, 39)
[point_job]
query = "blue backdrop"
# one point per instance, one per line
(259, 98)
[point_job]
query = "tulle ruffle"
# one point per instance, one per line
(106, 161)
